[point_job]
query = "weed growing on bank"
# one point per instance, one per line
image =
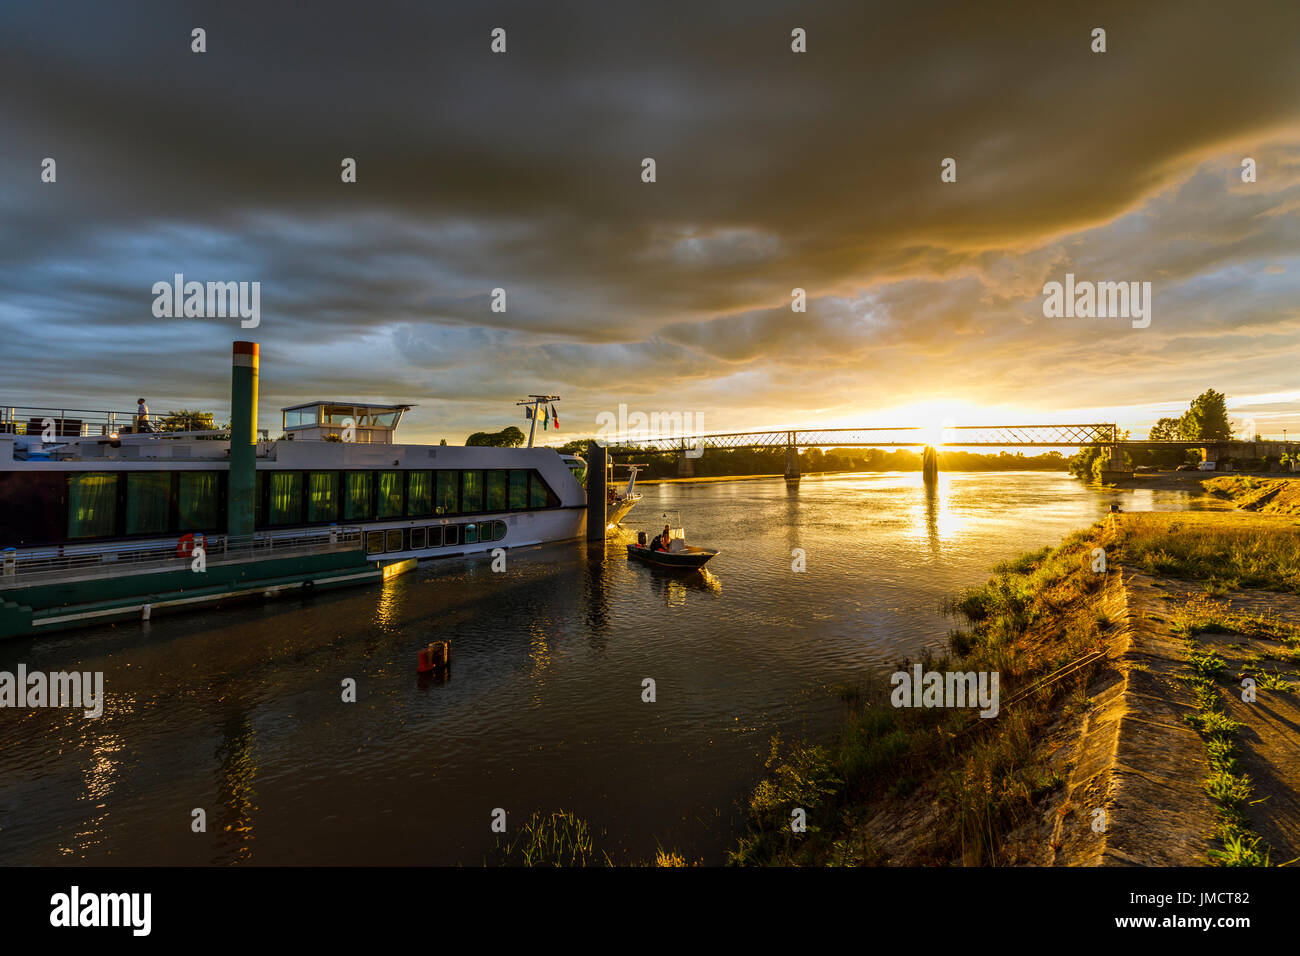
(1222, 550)
(1229, 788)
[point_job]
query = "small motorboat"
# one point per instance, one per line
(679, 553)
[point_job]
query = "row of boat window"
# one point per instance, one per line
(110, 504)
(294, 497)
(434, 536)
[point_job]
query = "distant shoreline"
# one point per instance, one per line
(820, 474)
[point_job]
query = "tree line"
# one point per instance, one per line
(1206, 419)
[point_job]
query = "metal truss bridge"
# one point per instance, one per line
(1106, 434)
(958, 436)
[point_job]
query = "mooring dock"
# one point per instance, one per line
(51, 593)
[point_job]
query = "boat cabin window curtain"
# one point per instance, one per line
(419, 493)
(390, 494)
(518, 489)
(92, 505)
(148, 502)
(323, 496)
(538, 494)
(198, 501)
(496, 490)
(448, 494)
(357, 505)
(286, 497)
(471, 491)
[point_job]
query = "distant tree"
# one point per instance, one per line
(443, 442)
(508, 437)
(1207, 417)
(185, 420)
(1166, 429)
(578, 446)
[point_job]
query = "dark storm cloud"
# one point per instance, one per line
(521, 171)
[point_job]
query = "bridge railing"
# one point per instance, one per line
(912, 436)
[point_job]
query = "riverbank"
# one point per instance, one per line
(1191, 481)
(809, 475)
(1247, 491)
(1264, 495)
(1121, 736)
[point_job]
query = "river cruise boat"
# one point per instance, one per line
(88, 486)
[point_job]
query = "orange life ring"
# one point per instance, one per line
(185, 544)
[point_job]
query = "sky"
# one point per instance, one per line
(774, 170)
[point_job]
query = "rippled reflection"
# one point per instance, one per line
(235, 790)
(100, 776)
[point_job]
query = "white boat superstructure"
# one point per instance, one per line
(619, 503)
(337, 466)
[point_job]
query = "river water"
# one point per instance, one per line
(239, 713)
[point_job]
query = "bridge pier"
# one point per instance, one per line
(930, 465)
(791, 463)
(685, 465)
(1115, 469)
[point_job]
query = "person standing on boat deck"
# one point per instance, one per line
(142, 417)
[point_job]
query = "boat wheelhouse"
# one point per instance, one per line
(363, 422)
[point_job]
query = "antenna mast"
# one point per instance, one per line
(534, 401)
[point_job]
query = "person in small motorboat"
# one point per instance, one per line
(660, 543)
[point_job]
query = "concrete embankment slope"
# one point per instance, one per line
(1137, 760)
(1140, 756)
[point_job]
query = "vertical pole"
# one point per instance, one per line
(533, 427)
(596, 490)
(242, 485)
(930, 465)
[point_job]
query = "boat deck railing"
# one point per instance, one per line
(51, 565)
(67, 422)
(31, 420)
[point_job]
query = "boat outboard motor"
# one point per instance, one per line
(640, 539)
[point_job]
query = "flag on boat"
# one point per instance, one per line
(555, 416)
(544, 422)
(528, 411)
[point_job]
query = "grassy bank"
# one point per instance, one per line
(1220, 551)
(941, 786)
(1276, 496)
